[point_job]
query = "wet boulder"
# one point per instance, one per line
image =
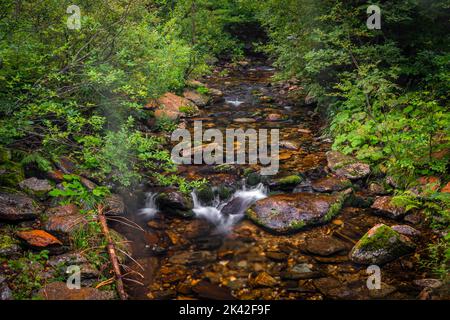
(284, 213)
(384, 207)
(346, 166)
(38, 188)
(175, 202)
(331, 184)
(380, 245)
(290, 145)
(17, 207)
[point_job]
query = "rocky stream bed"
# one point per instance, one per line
(310, 232)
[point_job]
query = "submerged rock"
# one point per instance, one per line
(208, 290)
(384, 206)
(324, 246)
(285, 213)
(17, 207)
(380, 245)
(346, 166)
(175, 202)
(36, 187)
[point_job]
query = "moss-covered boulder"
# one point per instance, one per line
(205, 195)
(38, 188)
(11, 174)
(175, 202)
(287, 183)
(285, 213)
(380, 245)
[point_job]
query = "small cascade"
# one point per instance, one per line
(242, 199)
(234, 103)
(224, 222)
(150, 208)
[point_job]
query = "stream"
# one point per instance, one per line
(216, 255)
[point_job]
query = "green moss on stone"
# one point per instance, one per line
(11, 174)
(381, 238)
(289, 180)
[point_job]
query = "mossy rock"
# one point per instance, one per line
(11, 174)
(205, 195)
(287, 213)
(9, 246)
(225, 192)
(380, 245)
(287, 183)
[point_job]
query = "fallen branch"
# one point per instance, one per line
(112, 254)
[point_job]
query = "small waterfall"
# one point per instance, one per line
(242, 198)
(150, 205)
(239, 202)
(235, 103)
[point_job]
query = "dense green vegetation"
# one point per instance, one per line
(81, 93)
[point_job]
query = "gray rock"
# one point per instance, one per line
(114, 205)
(38, 188)
(174, 202)
(17, 207)
(406, 230)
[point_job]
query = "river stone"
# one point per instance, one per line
(175, 202)
(291, 145)
(244, 120)
(36, 187)
(197, 98)
(193, 258)
(331, 184)
(380, 245)
(284, 213)
(263, 279)
(324, 246)
(17, 207)
(208, 290)
(406, 230)
(300, 271)
(346, 166)
(383, 206)
(234, 206)
(60, 291)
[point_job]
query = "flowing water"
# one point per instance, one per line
(217, 255)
